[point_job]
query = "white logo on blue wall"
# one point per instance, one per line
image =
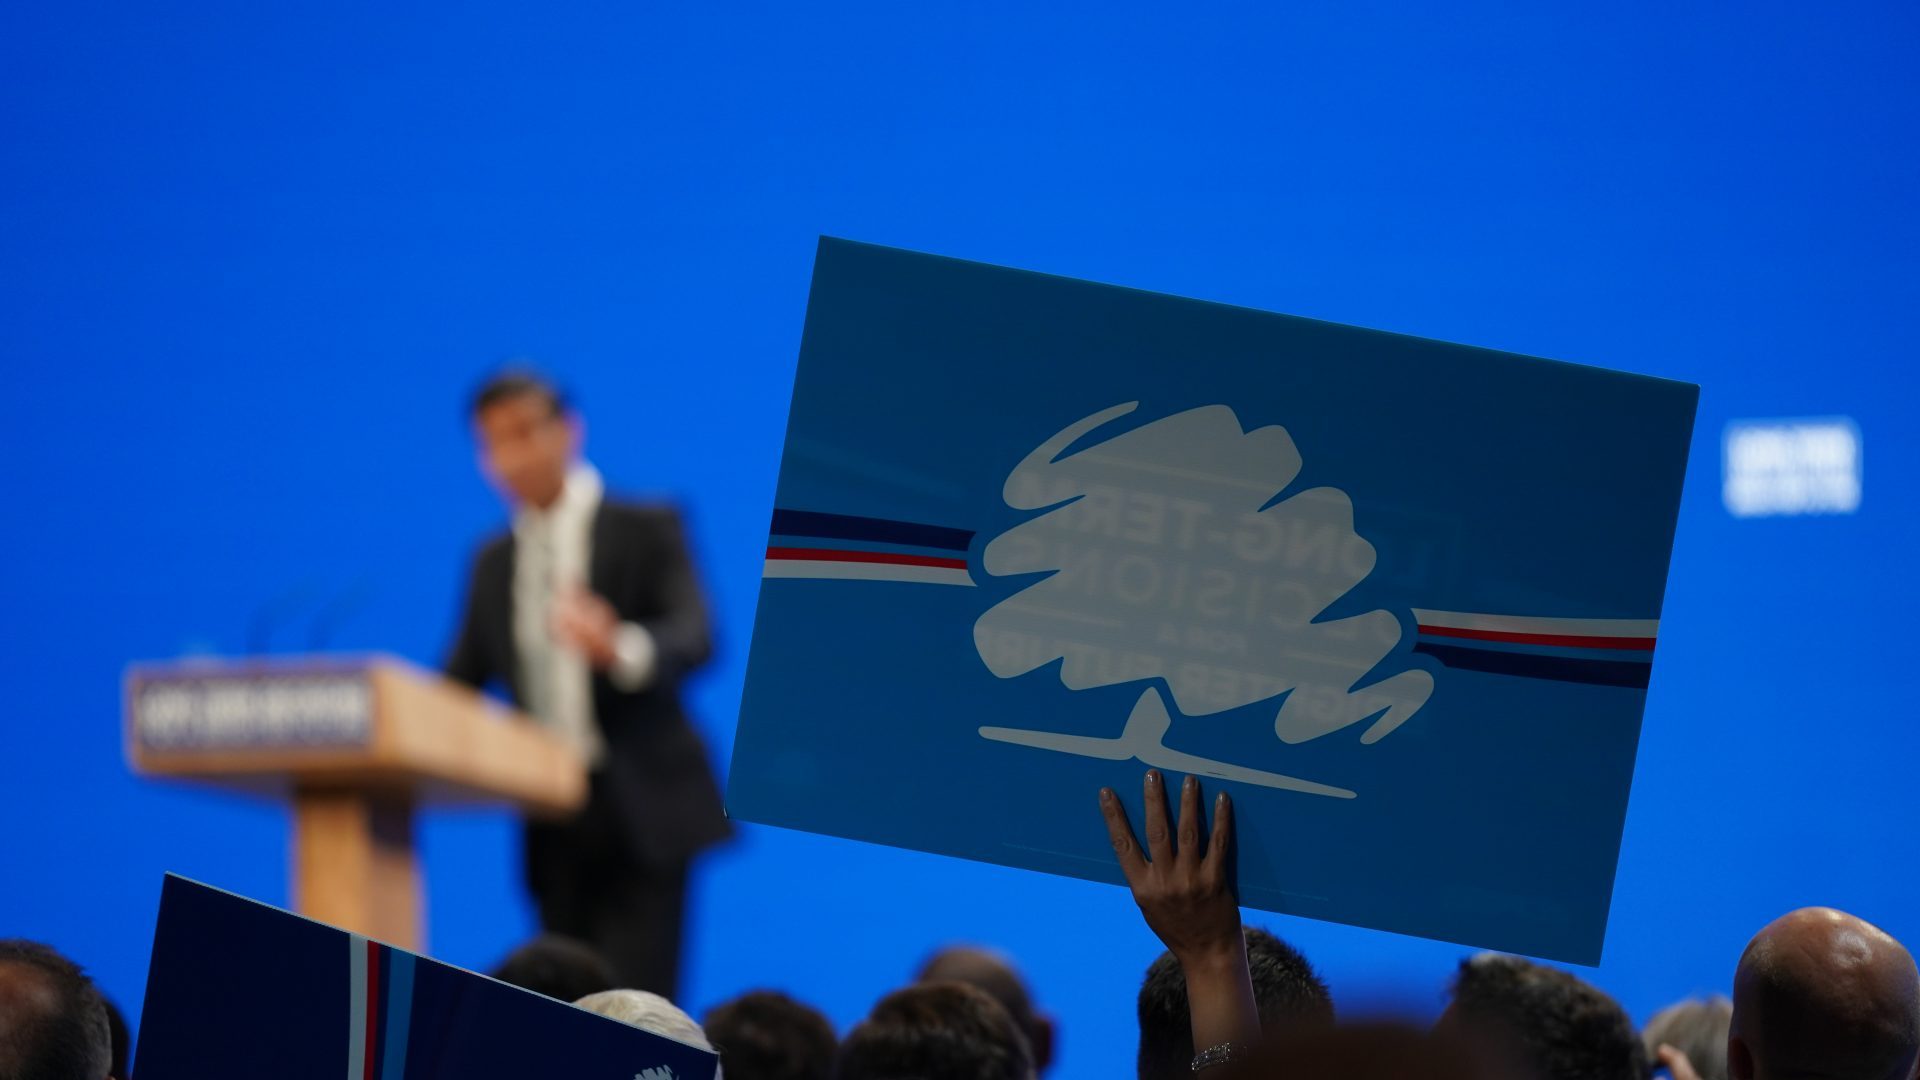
(1172, 555)
(1789, 467)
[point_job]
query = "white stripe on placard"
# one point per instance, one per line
(1530, 624)
(357, 1008)
(857, 571)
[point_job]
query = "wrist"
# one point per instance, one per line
(634, 658)
(1214, 957)
(1218, 1054)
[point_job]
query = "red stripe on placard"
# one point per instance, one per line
(373, 1010)
(889, 557)
(1575, 641)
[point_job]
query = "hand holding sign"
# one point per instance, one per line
(1189, 904)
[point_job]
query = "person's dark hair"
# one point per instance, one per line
(1373, 1050)
(1290, 996)
(1543, 1021)
(935, 1031)
(53, 1021)
(559, 967)
(766, 1035)
(120, 1038)
(516, 382)
(993, 972)
(1697, 1028)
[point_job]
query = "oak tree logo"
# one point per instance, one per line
(1176, 554)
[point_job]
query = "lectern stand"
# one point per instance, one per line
(357, 744)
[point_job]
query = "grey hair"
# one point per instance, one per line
(648, 1012)
(1697, 1027)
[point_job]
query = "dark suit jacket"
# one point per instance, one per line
(656, 776)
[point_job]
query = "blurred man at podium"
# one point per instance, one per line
(588, 613)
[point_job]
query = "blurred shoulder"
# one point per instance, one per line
(654, 516)
(494, 548)
(491, 561)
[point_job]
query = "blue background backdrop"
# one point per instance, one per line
(252, 258)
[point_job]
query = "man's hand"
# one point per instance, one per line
(1189, 904)
(1676, 1062)
(585, 622)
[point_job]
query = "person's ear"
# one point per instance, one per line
(1042, 1043)
(1739, 1059)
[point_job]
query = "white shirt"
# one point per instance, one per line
(553, 551)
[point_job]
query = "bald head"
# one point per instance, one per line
(1822, 994)
(993, 972)
(983, 968)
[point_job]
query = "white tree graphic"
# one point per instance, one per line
(1174, 557)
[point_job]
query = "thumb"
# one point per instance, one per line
(1676, 1062)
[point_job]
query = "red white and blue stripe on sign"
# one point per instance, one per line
(1600, 652)
(381, 982)
(808, 544)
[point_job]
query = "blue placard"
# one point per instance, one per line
(1400, 597)
(238, 990)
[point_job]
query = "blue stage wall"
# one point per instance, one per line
(253, 257)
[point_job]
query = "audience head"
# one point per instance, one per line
(528, 435)
(1698, 1029)
(1541, 1023)
(1290, 996)
(766, 1035)
(53, 1022)
(559, 967)
(936, 1031)
(120, 1037)
(1821, 993)
(647, 1011)
(995, 973)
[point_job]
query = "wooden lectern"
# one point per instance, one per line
(356, 744)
